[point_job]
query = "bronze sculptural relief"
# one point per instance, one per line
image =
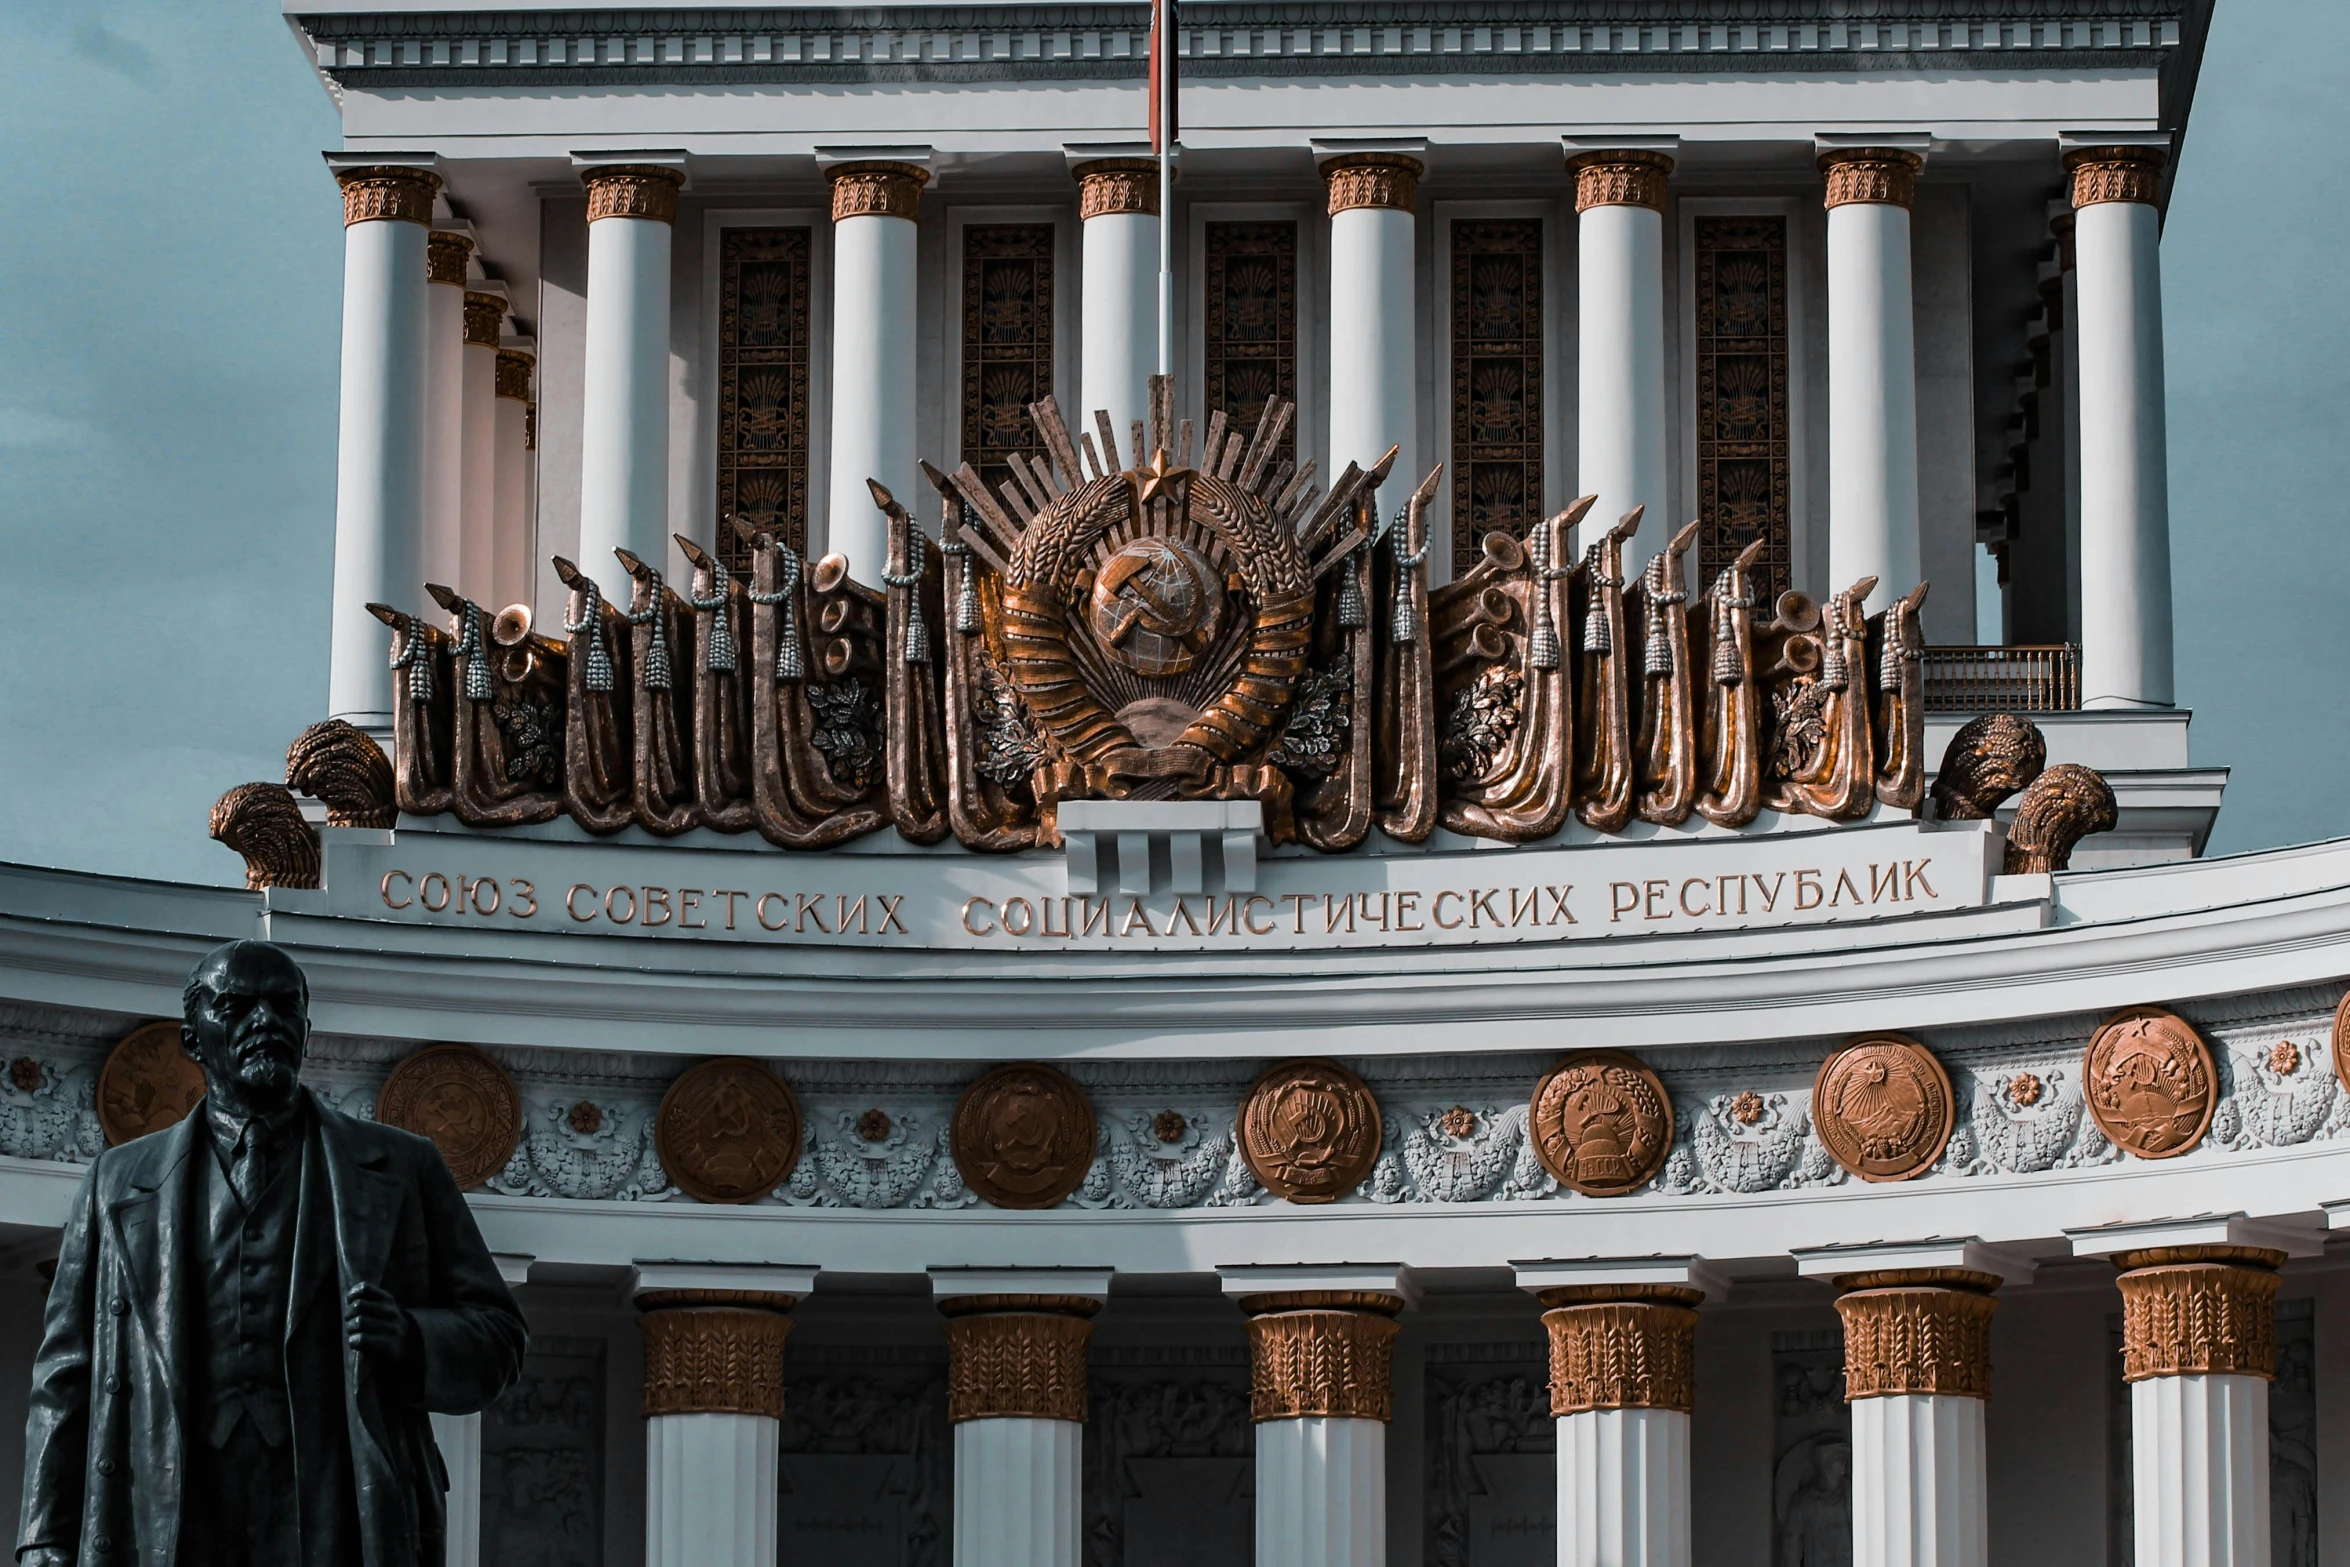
(2150, 1082)
(460, 1099)
(265, 825)
(1310, 1131)
(1023, 1136)
(1601, 1123)
(1990, 759)
(2061, 807)
(147, 1084)
(340, 765)
(1883, 1107)
(1166, 612)
(728, 1131)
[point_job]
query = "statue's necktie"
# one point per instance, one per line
(248, 1168)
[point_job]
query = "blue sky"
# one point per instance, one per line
(170, 256)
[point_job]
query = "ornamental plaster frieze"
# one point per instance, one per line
(963, 43)
(1448, 1131)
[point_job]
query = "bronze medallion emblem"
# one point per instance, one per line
(1883, 1107)
(460, 1099)
(1310, 1130)
(1157, 605)
(728, 1131)
(147, 1084)
(2341, 1040)
(2150, 1082)
(1602, 1123)
(1024, 1136)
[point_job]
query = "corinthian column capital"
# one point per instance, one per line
(1917, 1330)
(1321, 1352)
(1372, 179)
(514, 368)
(484, 313)
(2190, 1310)
(1013, 1357)
(388, 194)
(445, 253)
(877, 189)
(1887, 175)
(1621, 1347)
(713, 1351)
(2115, 174)
(1628, 177)
(1109, 186)
(632, 190)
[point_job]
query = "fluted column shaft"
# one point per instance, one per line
(448, 252)
(713, 1404)
(1119, 203)
(1620, 345)
(1373, 360)
(624, 409)
(2125, 483)
(379, 451)
(485, 315)
(874, 208)
(512, 516)
(1917, 1369)
(2199, 1350)
(1321, 1393)
(459, 1439)
(1016, 1390)
(1872, 373)
(1621, 1366)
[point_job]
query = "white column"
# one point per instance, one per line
(713, 1402)
(1620, 346)
(1118, 199)
(459, 1439)
(1872, 373)
(2125, 490)
(1374, 381)
(1321, 1363)
(2198, 1350)
(1917, 1368)
(449, 253)
(485, 314)
(1016, 1395)
(379, 454)
(874, 208)
(512, 527)
(624, 414)
(1322, 1492)
(1623, 1488)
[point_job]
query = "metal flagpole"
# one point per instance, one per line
(1163, 133)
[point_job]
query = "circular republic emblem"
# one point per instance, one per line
(147, 1084)
(2150, 1082)
(460, 1099)
(1883, 1107)
(1602, 1123)
(1157, 605)
(1023, 1136)
(2341, 1041)
(728, 1131)
(1310, 1131)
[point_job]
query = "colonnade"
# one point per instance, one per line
(418, 376)
(2198, 1354)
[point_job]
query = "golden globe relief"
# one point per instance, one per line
(461, 1100)
(148, 1083)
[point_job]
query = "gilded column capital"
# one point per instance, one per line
(2199, 1309)
(445, 254)
(2115, 174)
(1880, 174)
(484, 314)
(1626, 178)
(1917, 1330)
(1017, 1356)
(1621, 1347)
(1320, 1352)
(1372, 179)
(392, 194)
(2062, 227)
(633, 190)
(713, 1352)
(877, 190)
(1109, 186)
(514, 368)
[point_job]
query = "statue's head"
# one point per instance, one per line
(246, 1021)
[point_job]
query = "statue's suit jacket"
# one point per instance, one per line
(106, 1441)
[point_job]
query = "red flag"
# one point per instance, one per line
(1164, 131)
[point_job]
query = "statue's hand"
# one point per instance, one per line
(45, 1556)
(378, 1326)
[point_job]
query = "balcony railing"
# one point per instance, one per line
(2003, 679)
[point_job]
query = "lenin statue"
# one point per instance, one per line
(254, 1312)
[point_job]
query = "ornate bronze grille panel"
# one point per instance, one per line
(1007, 342)
(1251, 329)
(1496, 381)
(1743, 456)
(762, 385)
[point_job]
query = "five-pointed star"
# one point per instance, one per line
(1158, 476)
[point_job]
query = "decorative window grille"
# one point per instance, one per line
(1496, 382)
(763, 331)
(1251, 326)
(1743, 456)
(1007, 342)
